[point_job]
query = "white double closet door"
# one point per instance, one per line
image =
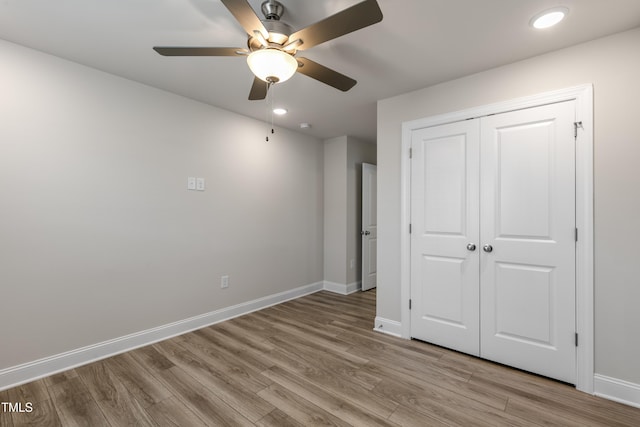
(493, 238)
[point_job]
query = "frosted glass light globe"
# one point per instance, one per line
(272, 65)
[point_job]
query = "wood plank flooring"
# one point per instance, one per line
(310, 361)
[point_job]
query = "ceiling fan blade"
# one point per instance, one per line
(354, 18)
(200, 51)
(325, 75)
(259, 90)
(246, 17)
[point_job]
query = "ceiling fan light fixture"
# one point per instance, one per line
(549, 17)
(272, 65)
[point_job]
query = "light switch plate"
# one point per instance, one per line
(200, 184)
(191, 183)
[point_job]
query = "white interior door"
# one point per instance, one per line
(528, 219)
(444, 239)
(369, 226)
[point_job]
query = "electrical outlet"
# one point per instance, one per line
(224, 282)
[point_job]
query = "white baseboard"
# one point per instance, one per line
(21, 374)
(617, 390)
(342, 289)
(389, 327)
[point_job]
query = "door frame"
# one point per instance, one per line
(583, 97)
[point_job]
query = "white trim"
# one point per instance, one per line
(341, 288)
(617, 390)
(583, 95)
(389, 327)
(21, 374)
(405, 237)
(585, 282)
(354, 287)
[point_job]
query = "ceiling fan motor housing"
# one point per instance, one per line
(278, 34)
(278, 31)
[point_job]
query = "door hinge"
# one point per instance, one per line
(409, 304)
(576, 234)
(576, 339)
(576, 125)
(410, 153)
(409, 228)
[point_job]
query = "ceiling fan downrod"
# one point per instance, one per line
(272, 10)
(278, 31)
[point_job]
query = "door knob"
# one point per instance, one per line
(487, 248)
(471, 247)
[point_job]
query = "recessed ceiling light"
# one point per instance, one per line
(279, 111)
(549, 17)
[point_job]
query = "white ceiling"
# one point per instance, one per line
(418, 43)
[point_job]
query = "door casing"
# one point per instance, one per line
(583, 95)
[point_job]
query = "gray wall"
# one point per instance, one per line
(99, 237)
(612, 65)
(335, 207)
(343, 158)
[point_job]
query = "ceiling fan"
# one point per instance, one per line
(272, 45)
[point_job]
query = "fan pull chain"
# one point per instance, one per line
(266, 119)
(270, 98)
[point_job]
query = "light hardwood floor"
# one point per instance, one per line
(311, 361)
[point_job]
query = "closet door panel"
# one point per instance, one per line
(527, 280)
(444, 215)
